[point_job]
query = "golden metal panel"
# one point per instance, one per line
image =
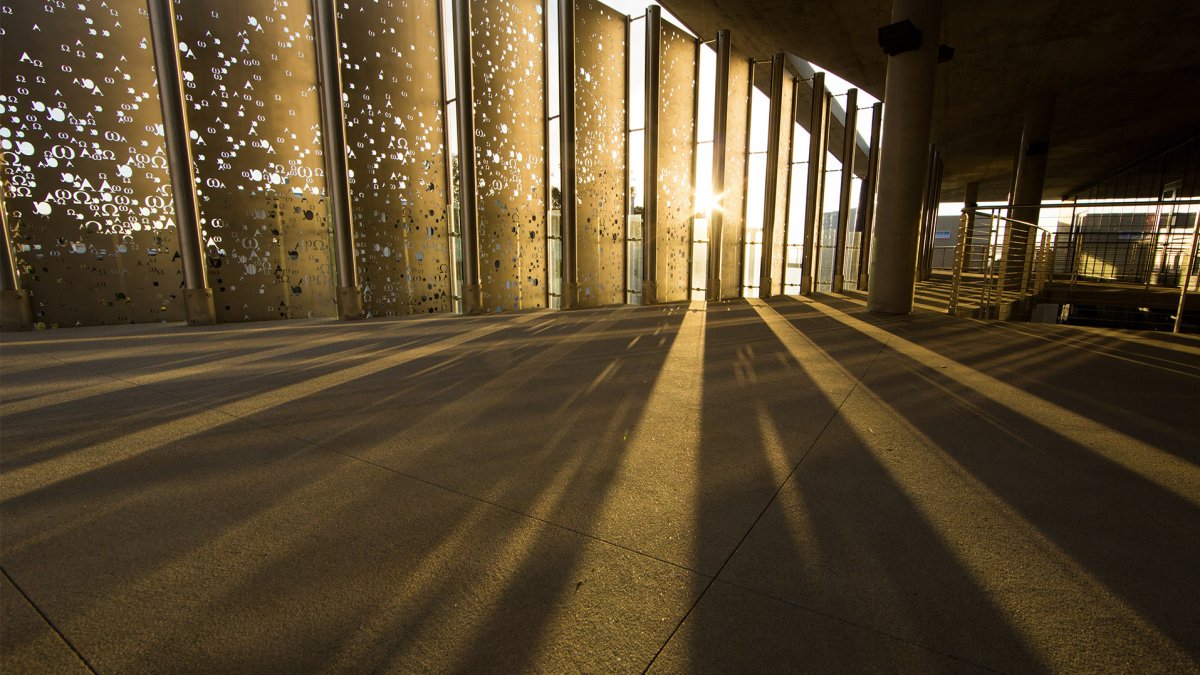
(250, 81)
(391, 80)
(85, 172)
(676, 193)
(508, 69)
(733, 200)
(600, 152)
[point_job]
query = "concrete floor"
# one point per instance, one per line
(793, 485)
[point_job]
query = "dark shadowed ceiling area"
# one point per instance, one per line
(1125, 75)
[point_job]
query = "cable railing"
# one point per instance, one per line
(1105, 246)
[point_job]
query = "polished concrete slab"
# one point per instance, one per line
(792, 485)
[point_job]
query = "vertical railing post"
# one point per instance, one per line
(816, 185)
(16, 310)
(333, 139)
(472, 300)
(566, 127)
(1028, 262)
(716, 219)
(199, 308)
(868, 201)
(771, 189)
(849, 143)
(961, 245)
(1189, 271)
(970, 203)
(650, 213)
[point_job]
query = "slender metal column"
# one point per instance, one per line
(744, 179)
(926, 197)
(716, 219)
(691, 241)
(931, 209)
(935, 204)
(650, 214)
(819, 221)
(848, 147)
(868, 200)
(16, 310)
(816, 184)
(771, 189)
(333, 140)
(628, 205)
(793, 115)
(198, 297)
(566, 126)
(472, 301)
(869, 186)
(930, 214)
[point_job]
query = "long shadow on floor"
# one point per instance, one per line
(1136, 538)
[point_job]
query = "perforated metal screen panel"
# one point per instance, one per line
(508, 67)
(87, 190)
(600, 152)
(676, 195)
(395, 136)
(249, 72)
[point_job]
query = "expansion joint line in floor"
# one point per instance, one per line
(61, 636)
(775, 496)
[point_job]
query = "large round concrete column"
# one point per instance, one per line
(908, 108)
(1031, 164)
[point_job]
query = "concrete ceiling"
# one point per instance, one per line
(1125, 75)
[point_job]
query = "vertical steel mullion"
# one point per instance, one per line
(869, 188)
(628, 206)
(548, 202)
(816, 170)
(930, 218)
(937, 202)
(850, 131)
(691, 251)
(650, 211)
(930, 214)
(333, 140)
(472, 298)
(771, 189)
(923, 233)
(447, 170)
(198, 296)
(569, 228)
(716, 219)
(743, 244)
(787, 198)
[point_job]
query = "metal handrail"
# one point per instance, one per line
(1035, 250)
